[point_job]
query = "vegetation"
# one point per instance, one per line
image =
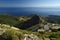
(8, 19)
(12, 34)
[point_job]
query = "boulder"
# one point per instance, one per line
(31, 37)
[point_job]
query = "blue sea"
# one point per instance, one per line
(29, 10)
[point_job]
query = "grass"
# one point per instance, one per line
(12, 34)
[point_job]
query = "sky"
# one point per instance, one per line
(29, 3)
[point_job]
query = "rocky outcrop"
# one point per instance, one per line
(31, 22)
(2, 31)
(31, 37)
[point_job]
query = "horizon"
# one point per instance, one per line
(27, 7)
(30, 3)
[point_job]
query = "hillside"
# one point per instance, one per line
(28, 27)
(8, 19)
(12, 33)
(54, 19)
(23, 22)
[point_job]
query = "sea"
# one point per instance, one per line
(24, 11)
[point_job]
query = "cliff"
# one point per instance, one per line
(30, 22)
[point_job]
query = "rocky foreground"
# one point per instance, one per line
(12, 33)
(28, 28)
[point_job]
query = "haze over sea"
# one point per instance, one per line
(30, 10)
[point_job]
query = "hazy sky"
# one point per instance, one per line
(29, 3)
